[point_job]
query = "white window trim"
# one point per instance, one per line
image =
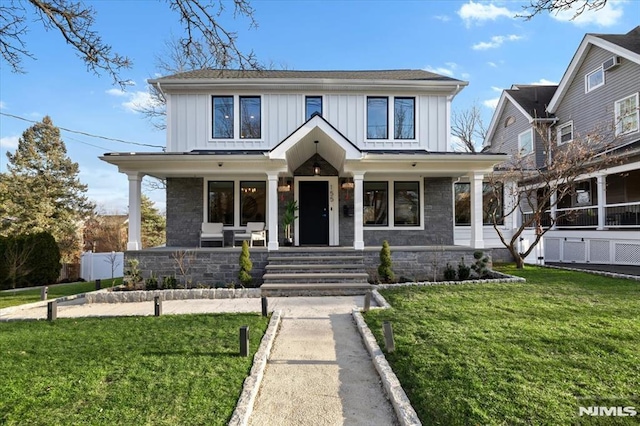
(559, 132)
(533, 143)
(236, 197)
(236, 118)
(391, 204)
(468, 226)
(304, 105)
(391, 118)
(588, 89)
(617, 116)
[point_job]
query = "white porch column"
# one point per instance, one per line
(358, 194)
(601, 181)
(135, 238)
(477, 237)
(273, 211)
(554, 208)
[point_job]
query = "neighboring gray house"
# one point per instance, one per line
(366, 155)
(598, 94)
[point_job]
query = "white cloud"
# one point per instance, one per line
(443, 18)
(134, 101)
(9, 142)
(496, 41)
(606, 16)
(491, 103)
(440, 70)
(465, 75)
(479, 12)
(496, 89)
(544, 82)
(3, 105)
(492, 64)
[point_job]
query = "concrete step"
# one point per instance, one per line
(312, 268)
(318, 289)
(316, 259)
(318, 277)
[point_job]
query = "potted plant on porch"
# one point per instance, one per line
(288, 218)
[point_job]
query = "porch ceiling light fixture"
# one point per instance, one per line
(347, 184)
(316, 165)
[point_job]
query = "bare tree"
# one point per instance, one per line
(112, 260)
(184, 259)
(531, 191)
(536, 7)
(468, 127)
(75, 23)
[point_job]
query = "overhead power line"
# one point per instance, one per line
(85, 133)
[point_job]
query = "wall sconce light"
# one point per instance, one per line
(284, 186)
(316, 165)
(413, 164)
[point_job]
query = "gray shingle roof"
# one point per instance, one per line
(533, 98)
(407, 75)
(629, 41)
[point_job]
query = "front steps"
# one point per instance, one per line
(322, 271)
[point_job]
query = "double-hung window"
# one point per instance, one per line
(627, 115)
(525, 142)
(565, 133)
(594, 79)
(236, 117)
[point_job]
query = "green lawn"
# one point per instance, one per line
(516, 353)
(169, 370)
(19, 297)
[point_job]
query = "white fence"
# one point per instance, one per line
(606, 247)
(95, 266)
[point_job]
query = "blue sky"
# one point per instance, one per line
(477, 41)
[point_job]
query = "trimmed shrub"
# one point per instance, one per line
(449, 273)
(385, 272)
(481, 266)
(244, 275)
(464, 272)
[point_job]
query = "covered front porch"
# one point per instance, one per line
(346, 196)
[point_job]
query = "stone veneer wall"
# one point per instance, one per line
(438, 217)
(184, 211)
(417, 263)
(208, 266)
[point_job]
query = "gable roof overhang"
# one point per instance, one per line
(579, 57)
(497, 115)
(300, 145)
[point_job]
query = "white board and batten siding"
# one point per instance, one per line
(189, 122)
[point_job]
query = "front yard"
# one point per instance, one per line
(138, 370)
(528, 353)
(21, 296)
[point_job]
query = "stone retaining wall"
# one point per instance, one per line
(106, 296)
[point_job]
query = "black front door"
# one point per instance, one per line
(313, 200)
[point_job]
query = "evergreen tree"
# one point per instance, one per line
(153, 224)
(385, 273)
(41, 191)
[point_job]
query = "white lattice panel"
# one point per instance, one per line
(574, 251)
(552, 249)
(599, 251)
(627, 253)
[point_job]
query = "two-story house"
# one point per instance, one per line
(365, 154)
(598, 95)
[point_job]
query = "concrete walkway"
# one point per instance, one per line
(319, 371)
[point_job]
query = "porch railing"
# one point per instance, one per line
(623, 215)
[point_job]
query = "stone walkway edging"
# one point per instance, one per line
(380, 301)
(176, 294)
(41, 303)
(251, 386)
(505, 278)
(404, 410)
(592, 271)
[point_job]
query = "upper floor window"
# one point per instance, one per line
(377, 118)
(222, 117)
(565, 133)
(404, 118)
(313, 105)
(627, 115)
(525, 142)
(594, 79)
(250, 117)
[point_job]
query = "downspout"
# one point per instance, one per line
(164, 98)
